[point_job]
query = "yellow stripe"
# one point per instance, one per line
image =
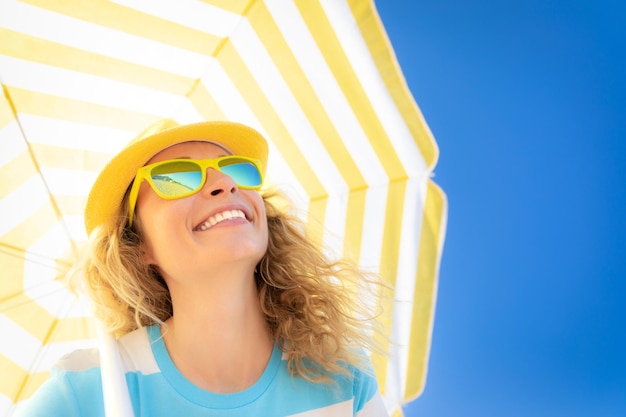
(32, 384)
(63, 262)
(73, 205)
(37, 321)
(22, 236)
(47, 105)
(29, 315)
(36, 169)
(390, 246)
(6, 114)
(73, 328)
(12, 261)
(354, 224)
(15, 173)
(341, 67)
(392, 231)
(13, 378)
(16, 383)
(205, 103)
(316, 216)
(295, 78)
(276, 130)
(380, 48)
(133, 22)
(51, 156)
(426, 289)
(21, 169)
(12, 298)
(380, 361)
(29, 48)
(233, 6)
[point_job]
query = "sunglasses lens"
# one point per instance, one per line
(177, 177)
(245, 173)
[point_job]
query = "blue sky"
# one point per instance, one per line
(527, 102)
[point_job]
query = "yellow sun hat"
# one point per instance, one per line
(113, 181)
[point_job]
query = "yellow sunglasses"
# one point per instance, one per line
(179, 178)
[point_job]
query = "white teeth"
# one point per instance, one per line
(220, 217)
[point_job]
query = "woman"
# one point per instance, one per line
(221, 305)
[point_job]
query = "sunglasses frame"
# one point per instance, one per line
(144, 173)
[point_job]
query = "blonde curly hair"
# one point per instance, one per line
(318, 311)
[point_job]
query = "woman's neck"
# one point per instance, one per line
(219, 340)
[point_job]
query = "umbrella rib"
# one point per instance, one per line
(19, 300)
(53, 202)
(220, 45)
(20, 252)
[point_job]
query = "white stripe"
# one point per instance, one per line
(415, 195)
(86, 87)
(221, 88)
(136, 353)
(74, 135)
(52, 243)
(335, 224)
(373, 227)
(7, 408)
(185, 112)
(75, 225)
(348, 34)
(52, 352)
(22, 203)
(194, 14)
(23, 346)
(336, 410)
(68, 182)
(73, 32)
(41, 272)
(413, 215)
(300, 41)
(11, 142)
(50, 294)
(375, 407)
(40, 285)
(397, 366)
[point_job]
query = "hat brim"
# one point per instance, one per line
(110, 186)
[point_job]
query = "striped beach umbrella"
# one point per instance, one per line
(348, 145)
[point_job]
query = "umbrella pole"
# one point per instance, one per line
(114, 389)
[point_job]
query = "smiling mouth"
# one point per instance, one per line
(220, 217)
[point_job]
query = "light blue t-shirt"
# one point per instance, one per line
(157, 388)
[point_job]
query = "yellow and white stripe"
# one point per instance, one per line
(317, 77)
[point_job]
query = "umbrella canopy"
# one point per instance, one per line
(319, 79)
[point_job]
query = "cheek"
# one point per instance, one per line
(146, 250)
(152, 215)
(264, 226)
(153, 210)
(150, 235)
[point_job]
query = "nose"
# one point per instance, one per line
(217, 183)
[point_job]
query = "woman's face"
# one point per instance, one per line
(204, 233)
